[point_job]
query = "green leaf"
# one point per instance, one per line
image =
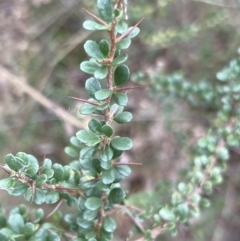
(108, 176)
(106, 165)
(58, 171)
(109, 224)
(39, 196)
(167, 214)
(91, 165)
(87, 109)
(75, 142)
(124, 44)
(41, 180)
(33, 166)
(183, 210)
(116, 109)
(96, 165)
(18, 188)
(93, 203)
(48, 172)
(103, 94)
(208, 187)
(182, 188)
(106, 154)
(101, 72)
(92, 49)
(116, 195)
(107, 130)
(224, 75)
(102, 107)
(123, 117)
(119, 59)
(6, 232)
(87, 152)
(177, 198)
(134, 32)
(67, 172)
(121, 143)
(47, 163)
(105, 236)
(6, 183)
(120, 99)
(116, 154)
(23, 156)
(39, 215)
(90, 215)
(16, 223)
(205, 203)
(121, 75)
(88, 138)
(92, 25)
(104, 47)
(92, 86)
(105, 10)
(89, 67)
(223, 154)
(84, 224)
(95, 126)
(14, 163)
(28, 230)
(124, 170)
(51, 197)
(3, 237)
(121, 27)
(71, 152)
(3, 221)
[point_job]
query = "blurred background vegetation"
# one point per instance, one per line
(41, 47)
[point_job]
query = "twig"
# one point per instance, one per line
(134, 220)
(55, 209)
(95, 17)
(85, 101)
(129, 31)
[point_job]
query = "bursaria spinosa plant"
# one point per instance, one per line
(91, 184)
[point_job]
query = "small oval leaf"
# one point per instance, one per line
(116, 195)
(109, 224)
(121, 75)
(88, 137)
(123, 117)
(92, 86)
(104, 47)
(120, 99)
(103, 94)
(105, 10)
(108, 176)
(89, 67)
(92, 49)
(93, 203)
(121, 143)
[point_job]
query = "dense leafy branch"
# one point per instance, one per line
(92, 182)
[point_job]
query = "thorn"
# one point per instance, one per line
(129, 31)
(126, 88)
(95, 17)
(85, 101)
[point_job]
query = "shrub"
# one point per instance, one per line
(91, 184)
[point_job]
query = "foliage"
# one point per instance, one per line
(92, 182)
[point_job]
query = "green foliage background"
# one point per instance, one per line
(42, 43)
